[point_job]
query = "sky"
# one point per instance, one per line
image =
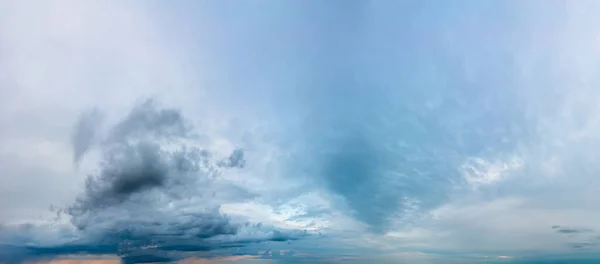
(300, 131)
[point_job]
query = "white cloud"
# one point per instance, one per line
(478, 171)
(311, 211)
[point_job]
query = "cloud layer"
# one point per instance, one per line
(300, 131)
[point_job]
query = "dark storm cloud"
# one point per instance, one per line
(129, 207)
(13, 254)
(133, 205)
(133, 160)
(184, 240)
(137, 168)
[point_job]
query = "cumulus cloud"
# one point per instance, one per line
(152, 193)
(133, 159)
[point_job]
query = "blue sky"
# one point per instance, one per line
(300, 131)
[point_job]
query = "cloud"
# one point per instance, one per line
(351, 170)
(571, 230)
(582, 245)
(107, 259)
(217, 259)
(235, 160)
(89, 260)
(397, 133)
(133, 160)
(62, 58)
(85, 133)
(153, 193)
(147, 122)
(478, 172)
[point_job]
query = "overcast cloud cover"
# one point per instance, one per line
(300, 131)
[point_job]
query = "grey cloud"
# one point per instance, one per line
(235, 160)
(354, 170)
(138, 168)
(146, 258)
(571, 230)
(135, 241)
(578, 238)
(582, 245)
(133, 160)
(147, 121)
(85, 133)
(358, 161)
(134, 204)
